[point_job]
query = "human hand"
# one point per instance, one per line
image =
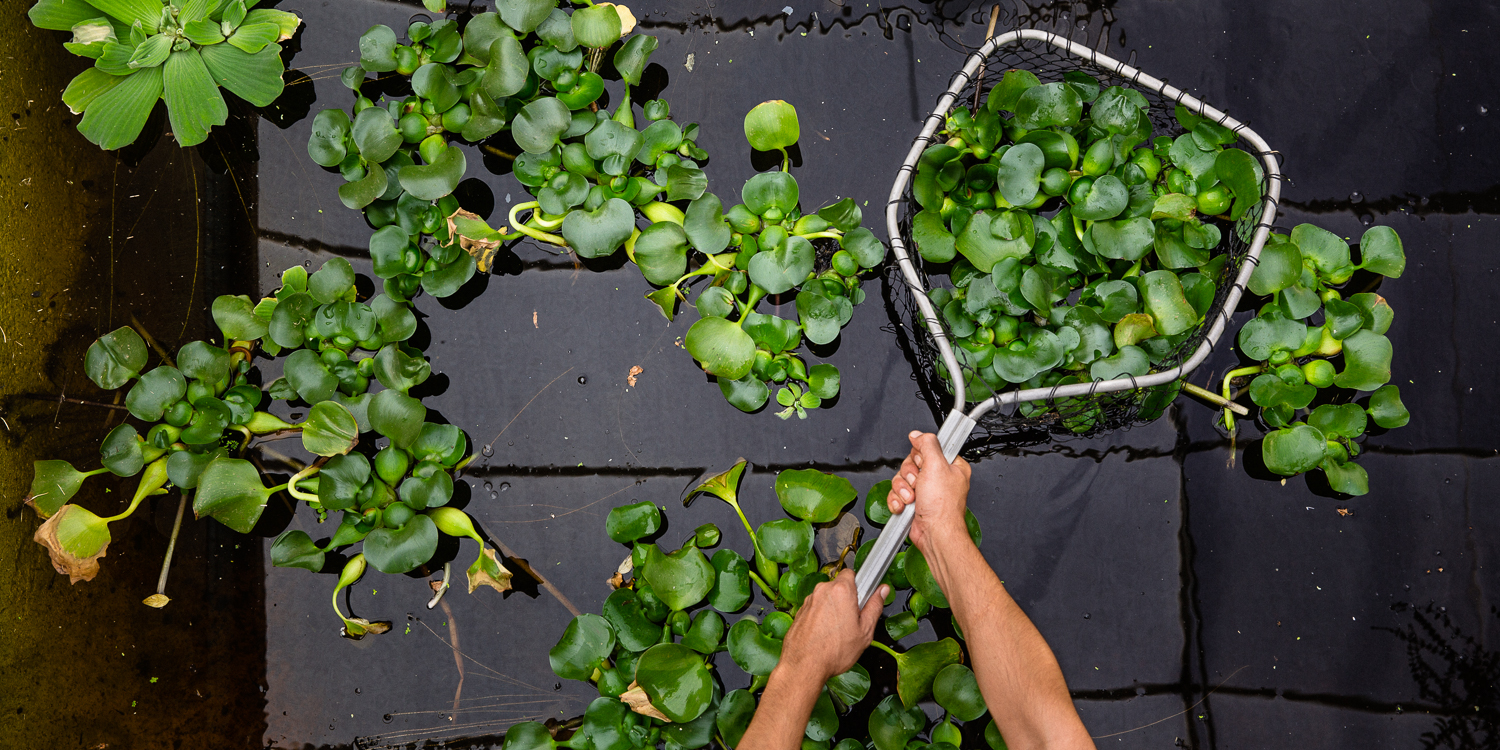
(939, 489)
(830, 632)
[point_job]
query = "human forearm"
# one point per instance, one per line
(1017, 672)
(785, 706)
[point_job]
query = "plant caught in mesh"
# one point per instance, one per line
(198, 416)
(178, 51)
(537, 72)
(651, 650)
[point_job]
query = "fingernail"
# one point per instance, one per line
(914, 433)
(911, 477)
(906, 494)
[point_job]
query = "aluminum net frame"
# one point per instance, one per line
(1032, 416)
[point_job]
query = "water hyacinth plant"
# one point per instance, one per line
(178, 51)
(537, 73)
(198, 417)
(650, 652)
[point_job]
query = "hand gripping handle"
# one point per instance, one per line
(954, 432)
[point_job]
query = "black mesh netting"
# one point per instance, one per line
(1080, 416)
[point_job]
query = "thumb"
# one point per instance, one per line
(932, 451)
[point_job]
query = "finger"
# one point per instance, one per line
(929, 448)
(899, 499)
(870, 615)
(963, 466)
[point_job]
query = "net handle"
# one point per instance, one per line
(961, 80)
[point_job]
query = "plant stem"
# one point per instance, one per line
(1215, 398)
(166, 563)
(521, 227)
(1229, 415)
(756, 295)
(831, 234)
(786, 161)
(497, 152)
(447, 568)
(764, 588)
(885, 648)
(243, 430)
(291, 485)
(71, 400)
(151, 342)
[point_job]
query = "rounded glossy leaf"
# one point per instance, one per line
(705, 225)
(326, 143)
(597, 26)
(1241, 174)
(340, 481)
(628, 523)
(1293, 450)
(600, 232)
(746, 394)
(892, 725)
(1021, 173)
(429, 182)
(55, 482)
(852, 686)
(230, 492)
(635, 631)
(434, 83)
(203, 361)
(706, 633)
(539, 124)
(661, 253)
(990, 239)
(1347, 477)
(397, 416)
(525, 15)
(375, 133)
(770, 190)
(1377, 310)
(306, 373)
(377, 49)
(920, 575)
(1328, 251)
(330, 430)
(119, 356)
(528, 735)
(1007, 93)
(121, 451)
(680, 579)
(156, 390)
(1048, 105)
(1268, 391)
(734, 715)
(403, 549)
(1123, 239)
(721, 348)
(822, 317)
(210, 417)
(366, 190)
(1167, 304)
(934, 242)
(876, 510)
(812, 495)
(587, 641)
(185, 468)
(754, 651)
(1105, 199)
(919, 666)
(1280, 266)
(1345, 420)
(1380, 251)
(868, 251)
(731, 591)
(1043, 351)
(295, 549)
(676, 680)
(1342, 318)
(957, 691)
(1367, 362)
(1260, 337)
(400, 368)
(785, 540)
(1386, 408)
(1130, 361)
(772, 126)
(631, 58)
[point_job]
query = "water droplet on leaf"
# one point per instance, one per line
(504, 486)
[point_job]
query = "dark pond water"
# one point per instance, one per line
(1189, 601)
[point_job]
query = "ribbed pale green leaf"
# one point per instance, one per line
(114, 59)
(60, 15)
(193, 100)
(252, 37)
(114, 119)
(203, 33)
(87, 87)
(255, 78)
(286, 22)
(152, 52)
(148, 12)
(197, 10)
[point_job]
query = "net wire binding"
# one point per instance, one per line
(1032, 416)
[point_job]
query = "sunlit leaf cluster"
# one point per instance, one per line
(1312, 352)
(198, 420)
(1075, 244)
(177, 51)
(536, 73)
(651, 652)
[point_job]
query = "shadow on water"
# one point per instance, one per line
(1455, 674)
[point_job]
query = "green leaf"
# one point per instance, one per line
(628, 523)
(1344, 420)
(989, 239)
(1122, 239)
(508, 69)
(674, 677)
(1293, 450)
(295, 549)
(596, 26)
(329, 430)
(1347, 477)
(331, 281)
(185, 468)
(1367, 362)
(1342, 318)
(585, 643)
(447, 280)
(397, 323)
(822, 317)
(203, 361)
(704, 225)
(752, 649)
(401, 550)
(779, 269)
(1174, 206)
(823, 381)
(934, 242)
(157, 390)
(121, 451)
(721, 348)
(706, 633)
(326, 143)
(635, 631)
(785, 540)
(88, 86)
(1021, 173)
(770, 190)
(731, 590)
(812, 495)
(1130, 361)
(255, 78)
(434, 83)
(919, 573)
(539, 125)
(307, 374)
(430, 182)
(824, 721)
(1261, 337)
(376, 135)
(1007, 93)
(746, 394)
(900, 625)
(525, 15)
(844, 215)
(876, 510)
(1166, 303)
(400, 368)
(868, 251)
(685, 181)
(1280, 266)
(75, 540)
(251, 38)
(919, 666)
(661, 253)
(957, 691)
(286, 22)
(63, 15)
(1328, 252)
(850, 687)
(431, 491)
(115, 117)
(1380, 251)
(377, 49)
(680, 579)
(151, 53)
(55, 482)
(1048, 105)
(115, 358)
(734, 715)
(230, 491)
(340, 480)
(1043, 350)
(1268, 391)
(892, 726)
(367, 189)
(1376, 309)
(1241, 174)
(1386, 408)
(599, 233)
(772, 126)
(1106, 198)
(631, 58)
(397, 416)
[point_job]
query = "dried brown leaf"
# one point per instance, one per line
(156, 601)
(65, 562)
(363, 627)
(483, 250)
(636, 698)
(634, 371)
(489, 571)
